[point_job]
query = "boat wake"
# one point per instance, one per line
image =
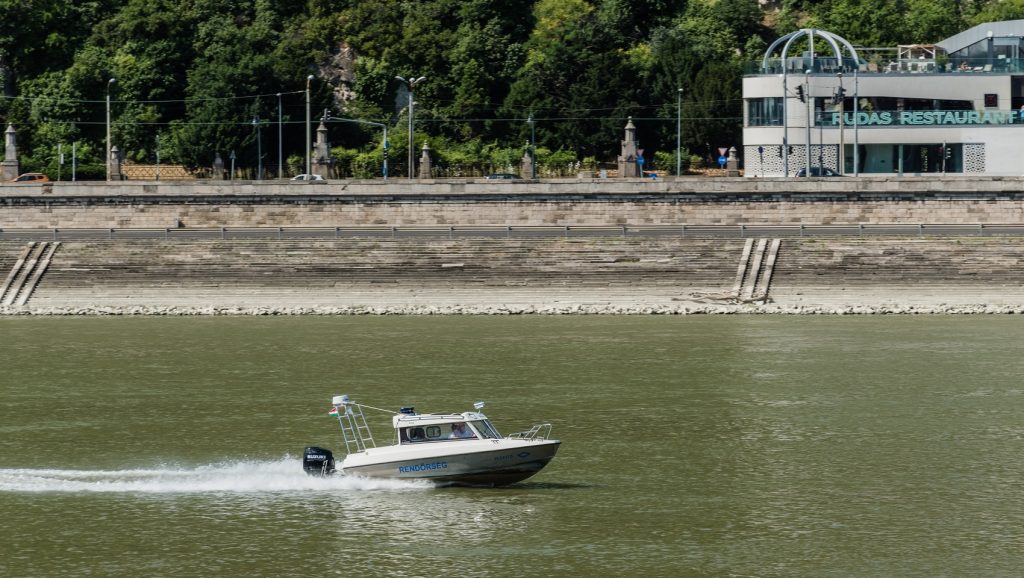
(241, 477)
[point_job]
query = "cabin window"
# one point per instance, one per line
(433, 432)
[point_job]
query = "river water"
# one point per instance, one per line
(691, 446)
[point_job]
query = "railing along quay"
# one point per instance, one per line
(518, 232)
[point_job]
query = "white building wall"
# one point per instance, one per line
(989, 149)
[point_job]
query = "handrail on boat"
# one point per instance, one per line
(540, 431)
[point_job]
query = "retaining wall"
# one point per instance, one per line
(697, 201)
(585, 275)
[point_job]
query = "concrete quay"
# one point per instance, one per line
(598, 275)
(537, 276)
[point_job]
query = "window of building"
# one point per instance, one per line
(764, 111)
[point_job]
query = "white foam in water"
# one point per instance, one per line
(241, 477)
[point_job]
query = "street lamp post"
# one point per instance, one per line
(259, 148)
(280, 164)
(411, 85)
(810, 105)
(109, 83)
(842, 113)
(533, 146)
(679, 132)
(309, 137)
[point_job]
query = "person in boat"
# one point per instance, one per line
(460, 431)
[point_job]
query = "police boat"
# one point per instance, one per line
(447, 449)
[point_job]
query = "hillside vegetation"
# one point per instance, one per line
(197, 78)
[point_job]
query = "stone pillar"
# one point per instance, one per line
(627, 160)
(732, 164)
(10, 166)
(115, 164)
(218, 168)
(321, 153)
(425, 162)
(526, 165)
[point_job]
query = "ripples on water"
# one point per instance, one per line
(707, 446)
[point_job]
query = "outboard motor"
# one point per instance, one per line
(318, 461)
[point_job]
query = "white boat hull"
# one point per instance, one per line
(472, 462)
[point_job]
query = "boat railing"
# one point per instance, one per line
(355, 432)
(540, 431)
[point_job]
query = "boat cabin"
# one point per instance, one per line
(426, 428)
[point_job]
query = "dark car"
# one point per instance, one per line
(818, 172)
(502, 177)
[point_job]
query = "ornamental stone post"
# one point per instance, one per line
(218, 168)
(10, 166)
(732, 164)
(425, 168)
(627, 160)
(115, 164)
(322, 154)
(526, 164)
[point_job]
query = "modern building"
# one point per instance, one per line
(954, 107)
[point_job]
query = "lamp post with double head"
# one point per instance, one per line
(109, 84)
(411, 83)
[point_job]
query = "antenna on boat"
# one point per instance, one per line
(478, 405)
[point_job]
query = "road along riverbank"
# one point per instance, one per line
(602, 275)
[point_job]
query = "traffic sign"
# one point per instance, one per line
(722, 160)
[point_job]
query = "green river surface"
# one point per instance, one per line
(691, 446)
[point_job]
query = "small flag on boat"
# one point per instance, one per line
(333, 412)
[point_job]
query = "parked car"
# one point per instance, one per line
(818, 172)
(502, 177)
(31, 178)
(305, 177)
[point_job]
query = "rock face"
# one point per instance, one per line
(630, 276)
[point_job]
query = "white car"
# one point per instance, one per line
(307, 178)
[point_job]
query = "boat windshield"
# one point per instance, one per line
(461, 432)
(485, 429)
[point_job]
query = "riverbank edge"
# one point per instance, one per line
(498, 310)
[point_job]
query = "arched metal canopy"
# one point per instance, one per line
(834, 41)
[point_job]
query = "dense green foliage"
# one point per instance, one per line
(193, 77)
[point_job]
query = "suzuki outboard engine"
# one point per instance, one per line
(318, 461)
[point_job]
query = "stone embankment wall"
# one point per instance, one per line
(594, 275)
(603, 202)
(602, 275)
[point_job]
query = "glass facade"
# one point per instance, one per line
(764, 111)
(930, 158)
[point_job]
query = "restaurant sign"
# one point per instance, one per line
(925, 118)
